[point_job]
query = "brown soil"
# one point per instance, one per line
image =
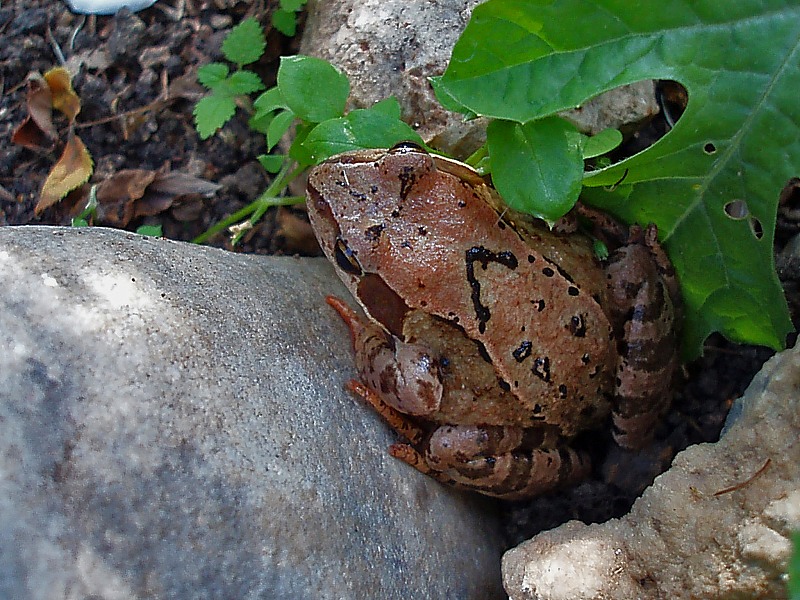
(137, 87)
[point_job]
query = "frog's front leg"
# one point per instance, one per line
(406, 376)
(645, 304)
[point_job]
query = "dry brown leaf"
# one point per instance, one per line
(73, 169)
(118, 195)
(64, 97)
(134, 193)
(37, 130)
(295, 233)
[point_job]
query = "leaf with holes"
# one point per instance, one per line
(712, 183)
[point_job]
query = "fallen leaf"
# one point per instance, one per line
(134, 193)
(117, 195)
(37, 130)
(296, 233)
(64, 97)
(73, 169)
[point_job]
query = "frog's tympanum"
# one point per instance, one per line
(491, 341)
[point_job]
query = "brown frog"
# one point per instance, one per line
(492, 341)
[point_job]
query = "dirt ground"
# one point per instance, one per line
(137, 85)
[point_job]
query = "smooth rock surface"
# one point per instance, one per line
(716, 525)
(173, 425)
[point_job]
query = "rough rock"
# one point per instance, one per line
(173, 425)
(391, 47)
(716, 525)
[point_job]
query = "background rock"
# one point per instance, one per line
(173, 425)
(716, 525)
(391, 47)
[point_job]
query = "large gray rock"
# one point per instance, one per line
(173, 425)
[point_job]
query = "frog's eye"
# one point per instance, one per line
(407, 146)
(345, 258)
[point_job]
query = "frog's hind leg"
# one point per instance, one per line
(505, 462)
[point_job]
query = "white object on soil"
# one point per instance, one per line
(107, 7)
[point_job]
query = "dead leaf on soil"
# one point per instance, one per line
(64, 97)
(73, 169)
(37, 130)
(133, 193)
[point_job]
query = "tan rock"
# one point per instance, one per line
(716, 525)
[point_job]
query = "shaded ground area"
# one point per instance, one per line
(136, 81)
(137, 85)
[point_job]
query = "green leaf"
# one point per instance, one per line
(794, 568)
(388, 106)
(211, 113)
(269, 101)
(279, 125)
(298, 151)
(212, 74)
(150, 230)
(271, 163)
(446, 99)
(244, 82)
(285, 21)
(601, 143)
(293, 5)
(363, 128)
(739, 138)
(539, 160)
(313, 89)
(245, 43)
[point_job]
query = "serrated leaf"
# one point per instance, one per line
(279, 125)
(73, 169)
(313, 89)
(245, 43)
(211, 113)
(243, 82)
(363, 128)
(212, 74)
(548, 153)
(739, 138)
(285, 21)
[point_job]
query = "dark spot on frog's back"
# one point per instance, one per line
(407, 179)
(577, 326)
(541, 368)
(373, 233)
(523, 352)
(484, 256)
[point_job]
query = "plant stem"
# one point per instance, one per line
(256, 209)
